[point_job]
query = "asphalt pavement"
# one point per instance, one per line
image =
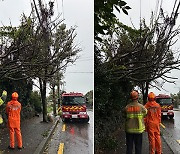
(34, 134)
(72, 137)
(169, 144)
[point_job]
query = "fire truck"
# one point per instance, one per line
(74, 107)
(166, 103)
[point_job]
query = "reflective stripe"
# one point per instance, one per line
(140, 123)
(139, 115)
(16, 107)
(135, 130)
(135, 113)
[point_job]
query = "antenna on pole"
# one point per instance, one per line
(63, 9)
(140, 17)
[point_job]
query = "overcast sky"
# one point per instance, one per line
(78, 77)
(147, 6)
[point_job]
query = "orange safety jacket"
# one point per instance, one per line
(13, 109)
(154, 112)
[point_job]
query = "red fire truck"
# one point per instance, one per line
(166, 103)
(74, 107)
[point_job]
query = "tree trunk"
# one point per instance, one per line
(42, 83)
(54, 101)
(147, 87)
(58, 91)
(144, 87)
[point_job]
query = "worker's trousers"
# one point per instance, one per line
(154, 139)
(135, 139)
(16, 131)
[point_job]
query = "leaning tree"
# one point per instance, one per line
(143, 55)
(38, 48)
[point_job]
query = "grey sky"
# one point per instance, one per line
(78, 77)
(147, 6)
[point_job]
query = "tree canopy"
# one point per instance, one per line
(38, 48)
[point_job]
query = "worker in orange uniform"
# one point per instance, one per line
(152, 122)
(13, 109)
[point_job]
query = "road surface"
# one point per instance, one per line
(172, 131)
(72, 138)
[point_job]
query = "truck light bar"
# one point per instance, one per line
(72, 94)
(163, 96)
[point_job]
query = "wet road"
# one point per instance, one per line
(173, 125)
(172, 132)
(72, 137)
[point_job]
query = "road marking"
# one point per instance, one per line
(61, 148)
(178, 141)
(64, 127)
(162, 125)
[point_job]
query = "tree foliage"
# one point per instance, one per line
(143, 55)
(110, 95)
(104, 16)
(176, 99)
(89, 98)
(35, 100)
(38, 48)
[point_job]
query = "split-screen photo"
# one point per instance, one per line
(89, 77)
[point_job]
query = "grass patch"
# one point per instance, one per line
(49, 109)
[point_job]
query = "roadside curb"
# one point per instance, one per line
(176, 109)
(43, 143)
(172, 143)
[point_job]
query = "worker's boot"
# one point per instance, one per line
(10, 148)
(157, 152)
(20, 148)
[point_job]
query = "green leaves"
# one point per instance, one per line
(124, 10)
(122, 3)
(104, 16)
(127, 7)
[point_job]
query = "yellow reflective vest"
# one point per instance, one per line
(135, 113)
(2, 100)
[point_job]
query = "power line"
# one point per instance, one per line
(79, 72)
(140, 14)
(85, 57)
(84, 60)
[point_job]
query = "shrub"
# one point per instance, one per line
(35, 100)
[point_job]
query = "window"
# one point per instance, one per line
(164, 101)
(73, 100)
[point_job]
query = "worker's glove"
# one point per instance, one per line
(1, 119)
(4, 95)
